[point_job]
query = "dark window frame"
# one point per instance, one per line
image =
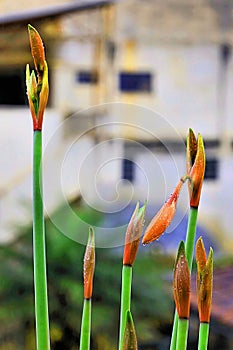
(135, 82)
(87, 77)
(128, 170)
(212, 169)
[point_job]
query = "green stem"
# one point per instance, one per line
(190, 237)
(189, 248)
(86, 326)
(125, 299)
(39, 255)
(174, 332)
(182, 334)
(203, 336)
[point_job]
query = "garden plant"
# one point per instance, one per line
(37, 92)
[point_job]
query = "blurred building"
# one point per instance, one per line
(127, 80)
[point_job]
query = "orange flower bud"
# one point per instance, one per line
(204, 281)
(130, 338)
(89, 265)
(195, 165)
(133, 234)
(181, 286)
(37, 87)
(163, 218)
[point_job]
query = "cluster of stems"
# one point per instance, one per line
(37, 91)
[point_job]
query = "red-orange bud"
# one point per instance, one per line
(133, 234)
(195, 165)
(163, 218)
(204, 281)
(181, 284)
(37, 87)
(89, 265)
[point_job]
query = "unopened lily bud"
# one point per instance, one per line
(181, 284)
(163, 218)
(133, 234)
(130, 338)
(204, 281)
(37, 86)
(89, 265)
(195, 165)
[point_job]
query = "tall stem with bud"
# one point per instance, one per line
(132, 240)
(88, 274)
(37, 91)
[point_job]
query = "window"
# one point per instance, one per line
(12, 87)
(87, 77)
(128, 169)
(135, 82)
(212, 169)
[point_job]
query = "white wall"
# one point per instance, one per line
(16, 166)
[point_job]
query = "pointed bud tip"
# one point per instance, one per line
(180, 251)
(91, 237)
(142, 210)
(210, 257)
(191, 134)
(129, 316)
(181, 248)
(30, 27)
(200, 254)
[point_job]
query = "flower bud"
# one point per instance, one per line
(89, 265)
(181, 284)
(133, 235)
(204, 281)
(37, 87)
(195, 165)
(163, 218)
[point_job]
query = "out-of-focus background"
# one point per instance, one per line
(128, 78)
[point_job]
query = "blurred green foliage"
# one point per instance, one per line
(152, 304)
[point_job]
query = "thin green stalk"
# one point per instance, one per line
(182, 334)
(86, 326)
(190, 236)
(174, 332)
(203, 336)
(39, 255)
(189, 248)
(125, 299)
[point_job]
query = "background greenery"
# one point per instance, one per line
(152, 304)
